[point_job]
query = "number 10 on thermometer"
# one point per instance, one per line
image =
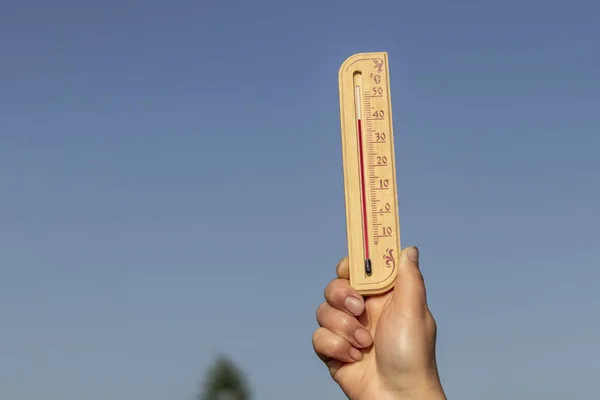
(372, 222)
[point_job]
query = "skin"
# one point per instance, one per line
(380, 347)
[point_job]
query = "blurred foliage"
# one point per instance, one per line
(225, 381)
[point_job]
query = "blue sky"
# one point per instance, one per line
(171, 187)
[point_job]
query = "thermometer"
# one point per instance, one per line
(371, 198)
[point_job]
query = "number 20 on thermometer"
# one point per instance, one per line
(372, 222)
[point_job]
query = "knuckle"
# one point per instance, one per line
(320, 310)
(328, 289)
(430, 321)
(316, 336)
(335, 343)
(433, 323)
(337, 322)
(344, 322)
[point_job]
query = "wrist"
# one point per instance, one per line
(427, 391)
(426, 394)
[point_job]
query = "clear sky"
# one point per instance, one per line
(171, 187)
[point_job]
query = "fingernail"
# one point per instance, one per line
(354, 305)
(356, 354)
(413, 254)
(363, 337)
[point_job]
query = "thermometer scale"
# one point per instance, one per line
(371, 198)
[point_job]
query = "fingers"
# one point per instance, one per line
(344, 325)
(409, 290)
(343, 269)
(341, 335)
(341, 296)
(334, 348)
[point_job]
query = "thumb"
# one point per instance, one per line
(409, 290)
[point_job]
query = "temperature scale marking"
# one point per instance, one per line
(372, 223)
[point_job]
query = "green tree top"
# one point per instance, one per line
(224, 381)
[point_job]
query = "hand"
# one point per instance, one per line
(381, 347)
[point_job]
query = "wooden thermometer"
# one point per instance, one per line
(372, 223)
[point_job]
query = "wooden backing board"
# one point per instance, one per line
(373, 225)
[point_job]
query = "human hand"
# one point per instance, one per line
(380, 347)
